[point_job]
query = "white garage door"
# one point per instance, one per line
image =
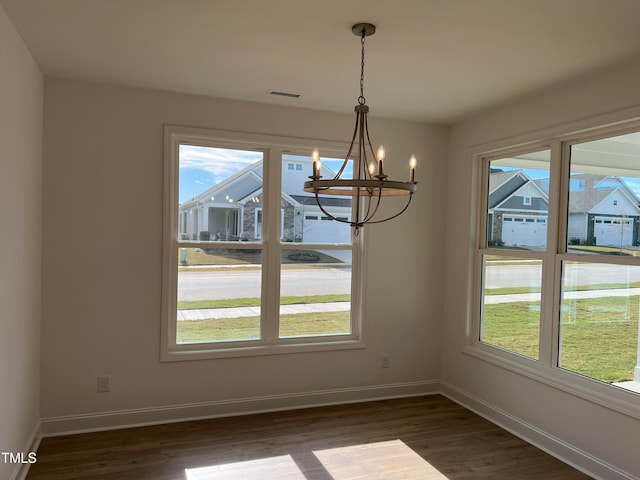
(527, 231)
(319, 228)
(613, 231)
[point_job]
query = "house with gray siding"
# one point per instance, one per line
(517, 210)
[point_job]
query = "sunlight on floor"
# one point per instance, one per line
(379, 461)
(283, 467)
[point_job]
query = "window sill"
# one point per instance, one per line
(632, 386)
(206, 351)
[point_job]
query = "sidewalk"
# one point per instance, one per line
(535, 297)
(209, 313)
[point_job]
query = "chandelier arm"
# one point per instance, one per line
(353, 139)
(369, 216)
(358, 203)
(366, 215)
(366, 128)
(396, 215)
(362, 153)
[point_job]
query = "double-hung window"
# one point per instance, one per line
(248, 266)
(558, 262)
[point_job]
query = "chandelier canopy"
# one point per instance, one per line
(369, 182)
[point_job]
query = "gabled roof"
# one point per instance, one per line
(247, 183)
(502, 184)
(499, 177)
(539, 201)
(237, 186)
(588, 190)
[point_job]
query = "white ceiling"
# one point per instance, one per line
(430, 60)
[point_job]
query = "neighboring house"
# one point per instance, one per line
(603, 210)
(517, 210)
(232, 209)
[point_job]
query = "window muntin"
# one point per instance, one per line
(258, 201)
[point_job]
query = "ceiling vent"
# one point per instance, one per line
(279, 93)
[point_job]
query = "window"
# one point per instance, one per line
(559, 288)
(248, 266)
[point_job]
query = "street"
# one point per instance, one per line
(239, 283)
(499, 275)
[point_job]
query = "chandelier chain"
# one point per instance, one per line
(361, 99)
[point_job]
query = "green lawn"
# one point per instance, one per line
(599, 335)
(248, 328)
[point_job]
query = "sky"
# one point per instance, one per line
(203, 167)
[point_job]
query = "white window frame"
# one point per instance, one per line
(544, 369)
(273, 148)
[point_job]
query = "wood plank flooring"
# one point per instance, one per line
(422, 438)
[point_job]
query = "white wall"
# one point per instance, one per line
(21, 90)
(605, 434)
(102, 257)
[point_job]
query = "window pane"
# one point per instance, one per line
(303, 221)
(604, 202)
(219, 190)
(511, 304)
(315, 289)
(517, 201)
(218, 295)
(599, 321)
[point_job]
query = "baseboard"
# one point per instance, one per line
(550, 444)
(21, 469)
(243, 406)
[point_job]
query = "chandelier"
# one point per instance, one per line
(369, 183)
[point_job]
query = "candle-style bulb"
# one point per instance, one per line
(372, 168)
(316, 163)
(381, 154)
(412, 168)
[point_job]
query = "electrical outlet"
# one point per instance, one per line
(103, 383)
(385, 360)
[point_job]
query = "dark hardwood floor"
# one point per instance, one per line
(425, 438)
